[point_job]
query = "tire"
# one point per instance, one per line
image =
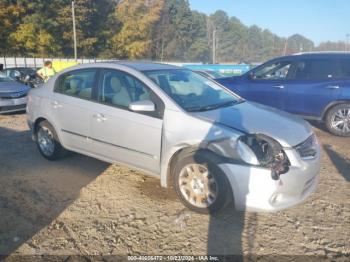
(48, 143)
(188, 182)
(338, 120)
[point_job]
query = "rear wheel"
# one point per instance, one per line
(338, 120)
(47, 142)
(200, 184)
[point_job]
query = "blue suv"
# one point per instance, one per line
(313, 85)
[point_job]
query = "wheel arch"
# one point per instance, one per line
(36, 124)
(40, 119)
(183, 152)
(333, 104)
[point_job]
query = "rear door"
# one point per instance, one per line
(120, 134)
(268, 83)
(71, 107)
(316, 84)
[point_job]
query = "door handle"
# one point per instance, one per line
(99, 117)
(332, 87)
(56, 105)
(279, 87)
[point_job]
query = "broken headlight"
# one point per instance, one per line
(261, 150)
(308, 149)
(246, 153)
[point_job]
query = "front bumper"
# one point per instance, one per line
(255, 190)
(13, 105)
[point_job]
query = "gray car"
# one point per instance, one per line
(214, 148)
(13, 95)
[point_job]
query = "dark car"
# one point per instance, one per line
(25, 75)
(313, 85)
(13, 95)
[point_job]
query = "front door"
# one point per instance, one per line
(267, 84)
(119, 134)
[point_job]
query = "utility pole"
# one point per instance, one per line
(285, 47)
(214, 45)
(74, 33)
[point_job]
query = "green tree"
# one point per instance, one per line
(94, 25)
(10, 14)
(29, 39)
(137, 18)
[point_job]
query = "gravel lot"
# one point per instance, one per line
(82, 206)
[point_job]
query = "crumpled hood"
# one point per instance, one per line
(12, 87)
(253, 118)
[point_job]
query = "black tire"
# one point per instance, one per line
(58, 151)
(210, 161)
(330, 116)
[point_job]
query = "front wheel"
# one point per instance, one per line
(338, 120)
(200, 184)
(48, 143)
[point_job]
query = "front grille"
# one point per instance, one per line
(308, 149)
(308, 185)
(13, 95)
(12, 108)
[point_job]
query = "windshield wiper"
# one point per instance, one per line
(212, 107)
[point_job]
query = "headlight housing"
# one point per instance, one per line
(308, 149)
(264, 151)
(246, 153)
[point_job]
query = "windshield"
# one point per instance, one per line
(4, 78)
(27, 71)
(192, 91)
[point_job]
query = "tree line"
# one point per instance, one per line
(165, 30)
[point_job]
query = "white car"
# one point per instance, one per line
(213, 147)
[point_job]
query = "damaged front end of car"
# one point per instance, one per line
(264, 151)
(256, 150)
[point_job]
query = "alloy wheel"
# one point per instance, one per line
(46, 141)
(198, 186)
(340, 121)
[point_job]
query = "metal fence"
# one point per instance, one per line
(224, 69)
(9, 62)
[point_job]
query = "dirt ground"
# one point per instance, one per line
(82, 206)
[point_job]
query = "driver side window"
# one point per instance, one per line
(274, 71)
(120, 89)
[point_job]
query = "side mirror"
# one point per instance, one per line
(142, 106)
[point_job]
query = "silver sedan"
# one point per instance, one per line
(214, 148)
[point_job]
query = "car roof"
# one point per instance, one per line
(321, 54)
(145, 66)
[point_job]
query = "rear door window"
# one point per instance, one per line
(317, 69)
(345, 67)
(78, 83)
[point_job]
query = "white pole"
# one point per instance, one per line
(214, 46)
(74, 33)
(285, 47)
